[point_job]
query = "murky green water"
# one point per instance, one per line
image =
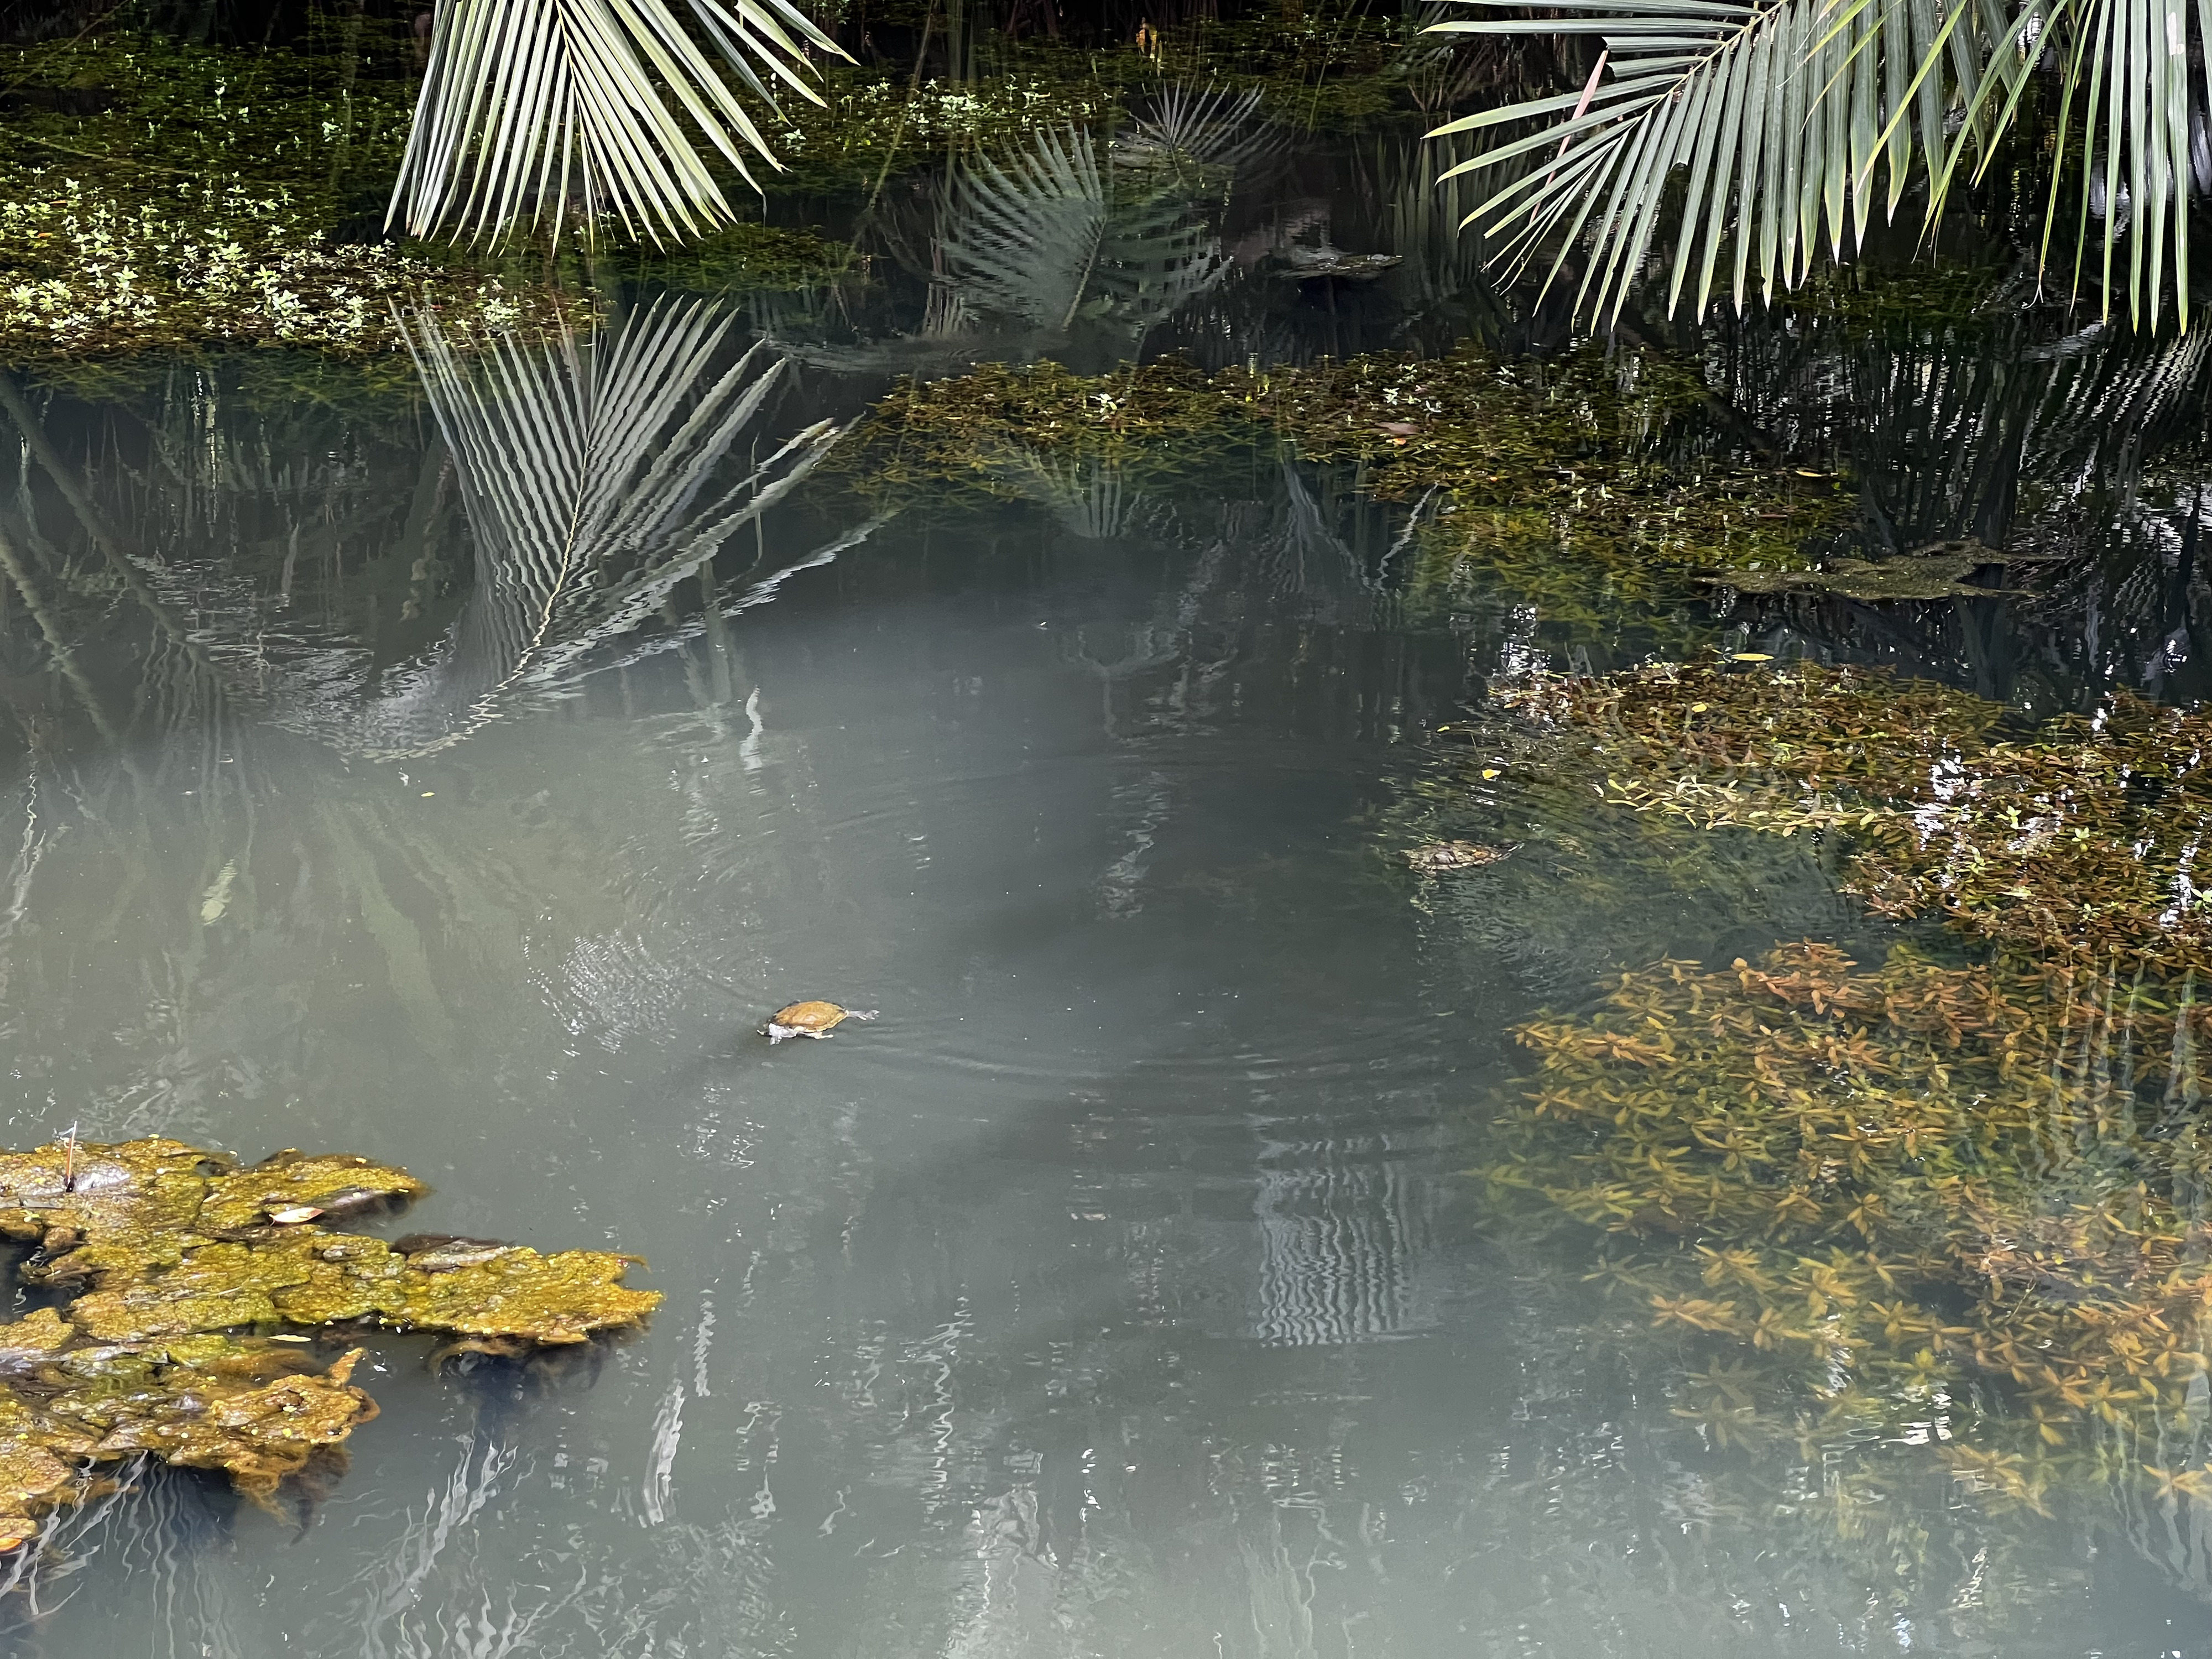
(1114, 1293)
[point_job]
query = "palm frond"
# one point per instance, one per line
(1781, 113)
(532, 107)
(2124, 64)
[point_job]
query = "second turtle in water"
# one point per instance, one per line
(810, 1020)
(1441, 856)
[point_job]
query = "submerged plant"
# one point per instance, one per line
(1969, 1198)
(1968, 1205)
(180, 1273)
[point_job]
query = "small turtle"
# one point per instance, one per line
(1441, 856)
(810, 1020)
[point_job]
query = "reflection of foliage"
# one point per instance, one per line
(1047, 235)
(1198, 132)
(589, 473)
(2079, 843)
(1543, 476)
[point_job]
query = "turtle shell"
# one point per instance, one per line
(809, 1016)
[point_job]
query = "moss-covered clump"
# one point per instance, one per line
(1893, 1195)
(2080, 842)
(182, 1272)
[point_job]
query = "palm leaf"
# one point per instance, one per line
(1780, 114)
(531, 107)
(2125, 64)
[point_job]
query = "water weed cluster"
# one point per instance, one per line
(153, 195)
(1966, 1204)
(2078, 841)
(1562, 451)
(1960, 1198)
(84, 273)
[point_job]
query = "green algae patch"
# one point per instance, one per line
(181, 1268)
(2078, 841)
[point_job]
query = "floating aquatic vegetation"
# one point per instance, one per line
(180, 1271)
(755, 257)
(158, 195)
(1559, 451)
(1916, 1194)
(2079, 841)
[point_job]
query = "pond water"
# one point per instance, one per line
(1115, 1291)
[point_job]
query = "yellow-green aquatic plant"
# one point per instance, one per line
(185, 1276)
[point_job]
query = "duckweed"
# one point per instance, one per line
(178, 1269)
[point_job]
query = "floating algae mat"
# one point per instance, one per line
(180, 1269)
(1965, 1204)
